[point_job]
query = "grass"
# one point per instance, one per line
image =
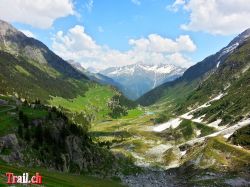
(242, 137)
(22, 70)
(34, 113)
(52, 178)
(169, 156)
(7, 124)
(187, 129)
(3, 108)
(205, 130)
(218, 154)
(93, 102)
(133, 113)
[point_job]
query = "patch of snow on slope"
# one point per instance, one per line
(218, 64)
(157, 69)
(225, 131)
(207, 104)
(187, 115)
(217, 97)
(229, 49)
(121, 71)
(215, 124)
(227, 135)
(172, 123)
(183, 152)
(198, 132)
(199, 119)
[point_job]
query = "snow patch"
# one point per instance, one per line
(183, 152)
(218, 64)
(229, 49)
(187, 115)
(217, 97)
(227, 135)
(198, 132)
(215, 124)
(199, 119)
(172, 123)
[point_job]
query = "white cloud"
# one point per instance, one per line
(77, 45)
(89, 5)
(28, 33)
(223, 17)
(136, 2)
(156, 43)
(175, 6)
(38, 13)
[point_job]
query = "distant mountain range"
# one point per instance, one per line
(138, 79)
(95, 76)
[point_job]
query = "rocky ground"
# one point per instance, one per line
(151, 179)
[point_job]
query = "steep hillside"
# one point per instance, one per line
(16, 43)
(232, 80)
(181, 88)
(33, 80)
(35, 136)
(30, 69)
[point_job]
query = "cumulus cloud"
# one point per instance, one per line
(156, 43)
(223, 17)
(136, 2)
(77, 45)
(28, 33)
(38, 13)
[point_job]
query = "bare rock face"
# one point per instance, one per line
(10, 149)
(74, 150)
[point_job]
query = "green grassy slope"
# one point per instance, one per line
(38, 81)
(53, 178)
(186, 131)
(242, 137)
(94, 102)
(232, 79)
(218, 154)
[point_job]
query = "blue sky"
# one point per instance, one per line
(111, 24)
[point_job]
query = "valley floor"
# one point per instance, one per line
(148, 144)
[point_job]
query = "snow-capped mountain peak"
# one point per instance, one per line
(139, 78)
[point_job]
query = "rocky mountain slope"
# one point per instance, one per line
(30, 69)
(138, 79)
(97, 77)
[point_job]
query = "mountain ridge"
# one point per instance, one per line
(137, 79)
(196, 72)
(15, 42)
